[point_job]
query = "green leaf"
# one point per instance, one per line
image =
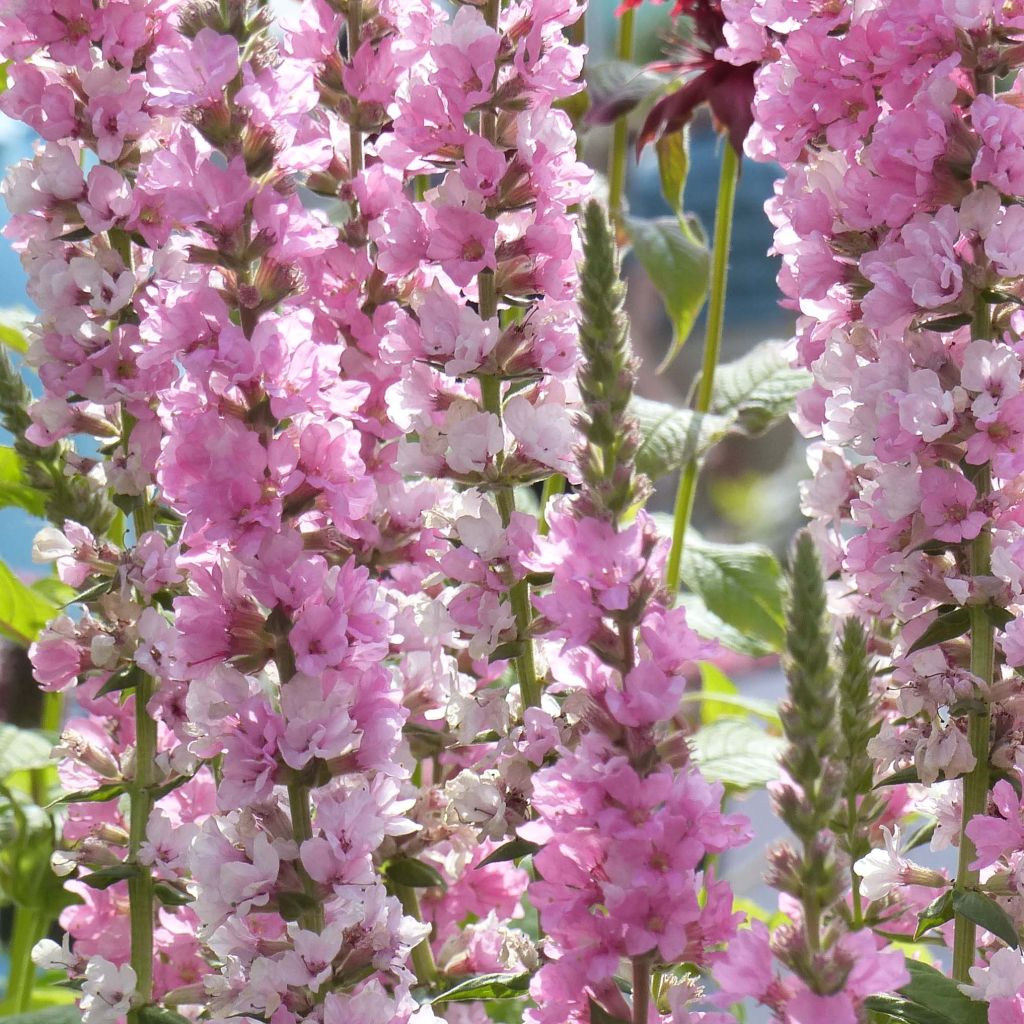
(514, 849)
(939, 911)
(737, 752)
(94, 796)
(53, 1015)
(53, 590)
(921, 836)
(670, 437)
(15, 491)
(22, 749)
(160, 1015)
(486, 986)
(678, 264)
(103, 878)
(673, 166)
(945, 323)
(984, 911)
(759, 389)
(903, 777)
(904, 1010)
(13, 320)
(931, 991)
(705, 623)
(411, 872)
(125, 678)
(740, 583)
(23, 611)
(170, 895)
(946, 626)
(719, 698)
(599, 1015)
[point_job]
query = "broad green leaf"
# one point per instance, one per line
(705, 623)
(984, 911)
(904, 1010)
(673, 165)
(22, 749)
(759, 389)
(485, 986)
(930, 990)
(411, 872)
(719, 698)
(737, 752)
(15, 491)
(615, 87)
(13, 320)
(23, 611)
(678, 264)
(52, 1015)
(740, 583)
(670, 436)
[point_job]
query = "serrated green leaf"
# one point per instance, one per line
(23, 611)
(22, 749)
(485, 986)
(678, 264)
(740, 583)
(15, 491)
(947, 626)
(14, 320)
(737, 752)
(514, 849)
(984, 911)
(416, 874)
(759, 389)
(670, 436)
(673, 166)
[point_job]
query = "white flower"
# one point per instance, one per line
(881, 871)
(106, 992)
(49, 544)
(1002, 979)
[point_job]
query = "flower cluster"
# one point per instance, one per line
(896, 224)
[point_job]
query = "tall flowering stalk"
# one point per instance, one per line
(625, 819)
(895, 224)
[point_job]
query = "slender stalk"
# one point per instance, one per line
(555, 484)
(490, 393)
(354, 24)
(422, 955)
(617, 158)
(712, 348)
(641, 989)
(311, 919)
(29, 927)
(140, 885)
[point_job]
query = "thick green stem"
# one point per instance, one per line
(422, 955)
(312, 918)
(29, 927)
(712, 348)
(617, 159)
(555, 484)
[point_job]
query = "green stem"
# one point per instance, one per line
(712, 348)
(422, 955)
(355, 135)
(302, 830)
(140, 885)
(617, 159)
(555, 484)
(29, 927)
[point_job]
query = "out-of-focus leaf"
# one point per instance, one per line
(759, 389)
(673, 166)
(616, 87)
(705, 623)
(13, 320)
(719, 698)
(671, 436)
(415, 873)
(485, 986)
(15, 491)
(737, 752)
(23, 611)
(678, 264)
(22, 749)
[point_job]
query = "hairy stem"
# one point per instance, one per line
(712, 347)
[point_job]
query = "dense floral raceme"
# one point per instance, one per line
(897, 224)
(314, 427)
